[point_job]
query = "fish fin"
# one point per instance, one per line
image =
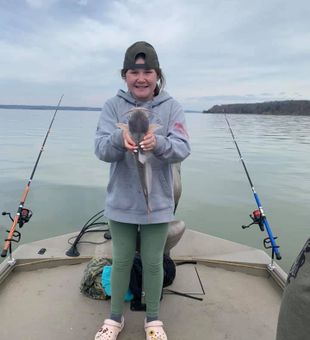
(154, 127)
(122, 126)
(137, 108)
(148, 176)
(177, 184)
(148, 181)
(143, 157)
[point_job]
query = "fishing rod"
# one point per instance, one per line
(258, 216)
(23, 215)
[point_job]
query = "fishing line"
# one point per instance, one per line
(258, 216)
(23, 215)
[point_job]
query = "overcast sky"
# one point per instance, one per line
(211, 51)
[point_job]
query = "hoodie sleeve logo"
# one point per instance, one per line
(180, 127)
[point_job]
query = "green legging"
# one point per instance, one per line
(153, 239)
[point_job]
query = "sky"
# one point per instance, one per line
(211, 51)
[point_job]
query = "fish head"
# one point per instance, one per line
(138, 124)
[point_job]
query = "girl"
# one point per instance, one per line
(125, 201)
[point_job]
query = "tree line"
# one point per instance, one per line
(285, 107)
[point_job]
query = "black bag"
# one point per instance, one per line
(135, 284)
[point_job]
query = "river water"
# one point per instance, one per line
(70, 182)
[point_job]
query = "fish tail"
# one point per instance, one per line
(149, 210)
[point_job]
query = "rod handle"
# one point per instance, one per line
(4, 253)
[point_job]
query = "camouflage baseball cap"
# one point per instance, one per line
(150, 55)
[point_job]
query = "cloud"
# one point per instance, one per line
(39, 4)
(209, 50)
(62, 51)
(82, 2)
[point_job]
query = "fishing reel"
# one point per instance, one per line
(24, 216)
(257, 218)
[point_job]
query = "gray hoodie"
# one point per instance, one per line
(125, 201)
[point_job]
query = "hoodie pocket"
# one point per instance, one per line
(124, 189)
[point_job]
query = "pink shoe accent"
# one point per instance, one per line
(109, 330)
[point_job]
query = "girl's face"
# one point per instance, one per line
(141, 83)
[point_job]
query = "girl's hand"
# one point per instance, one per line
(129, 143)
(149, 142)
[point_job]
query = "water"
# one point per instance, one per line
(69, 185)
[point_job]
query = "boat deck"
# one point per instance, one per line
(41, 299)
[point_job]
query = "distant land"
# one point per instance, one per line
(49, 107)
(285, 107)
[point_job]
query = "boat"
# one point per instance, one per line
(231, 291)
